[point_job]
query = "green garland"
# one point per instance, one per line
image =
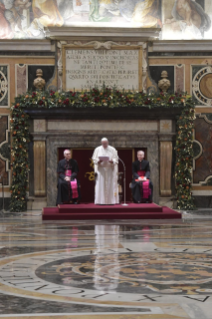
(19, 123)
(184, 158)
(105, 97)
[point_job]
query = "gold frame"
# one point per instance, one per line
(114, 47)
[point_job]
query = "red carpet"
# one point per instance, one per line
(91, 211)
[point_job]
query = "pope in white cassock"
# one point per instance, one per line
(105, 159)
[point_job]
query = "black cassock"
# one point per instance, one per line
(64, 193)
(137, 187)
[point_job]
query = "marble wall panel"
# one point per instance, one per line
(203, 149)
(4, 150)
(67, 125)
(3, 128)
(189, 66)
(21, 78)
(176, 74)
(203, 201)
(14, 66)
(25, 75)
(166, 126)
(4, 86)
(180, 77)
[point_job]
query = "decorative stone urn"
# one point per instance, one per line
(164, 84)
(39, 82)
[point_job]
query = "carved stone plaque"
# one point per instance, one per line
(86, 68)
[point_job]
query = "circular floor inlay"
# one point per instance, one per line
(135, 272)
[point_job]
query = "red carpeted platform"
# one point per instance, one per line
(91, 211)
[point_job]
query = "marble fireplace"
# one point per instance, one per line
(125, 128)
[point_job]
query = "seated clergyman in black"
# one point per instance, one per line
(142, 187)
(68, 187)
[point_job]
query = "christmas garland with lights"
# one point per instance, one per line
(105, 97)
(184, 158)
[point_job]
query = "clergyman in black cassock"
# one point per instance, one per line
(67, 176)
(142, 191)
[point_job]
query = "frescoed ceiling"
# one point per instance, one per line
(178, 19)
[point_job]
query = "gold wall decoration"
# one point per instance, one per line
(90, 175)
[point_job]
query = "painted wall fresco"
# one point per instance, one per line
(187, 19)
(179, 19)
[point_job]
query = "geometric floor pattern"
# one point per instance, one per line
(121, 269)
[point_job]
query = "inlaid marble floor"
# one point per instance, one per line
(105, 269)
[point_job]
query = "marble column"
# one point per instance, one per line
(165, 168)
(166, 149)
(38, 199)
(39, 149)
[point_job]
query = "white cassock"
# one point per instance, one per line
(106, 188)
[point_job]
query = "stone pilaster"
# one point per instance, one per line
(39, 149)
(166, 149)
(165, 168)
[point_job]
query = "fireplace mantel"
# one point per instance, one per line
(103, 113)
(126, 127)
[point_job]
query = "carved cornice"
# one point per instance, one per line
(103, 113)
(181, 46)
(27, 45)
(120, 34)
(104, 45)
